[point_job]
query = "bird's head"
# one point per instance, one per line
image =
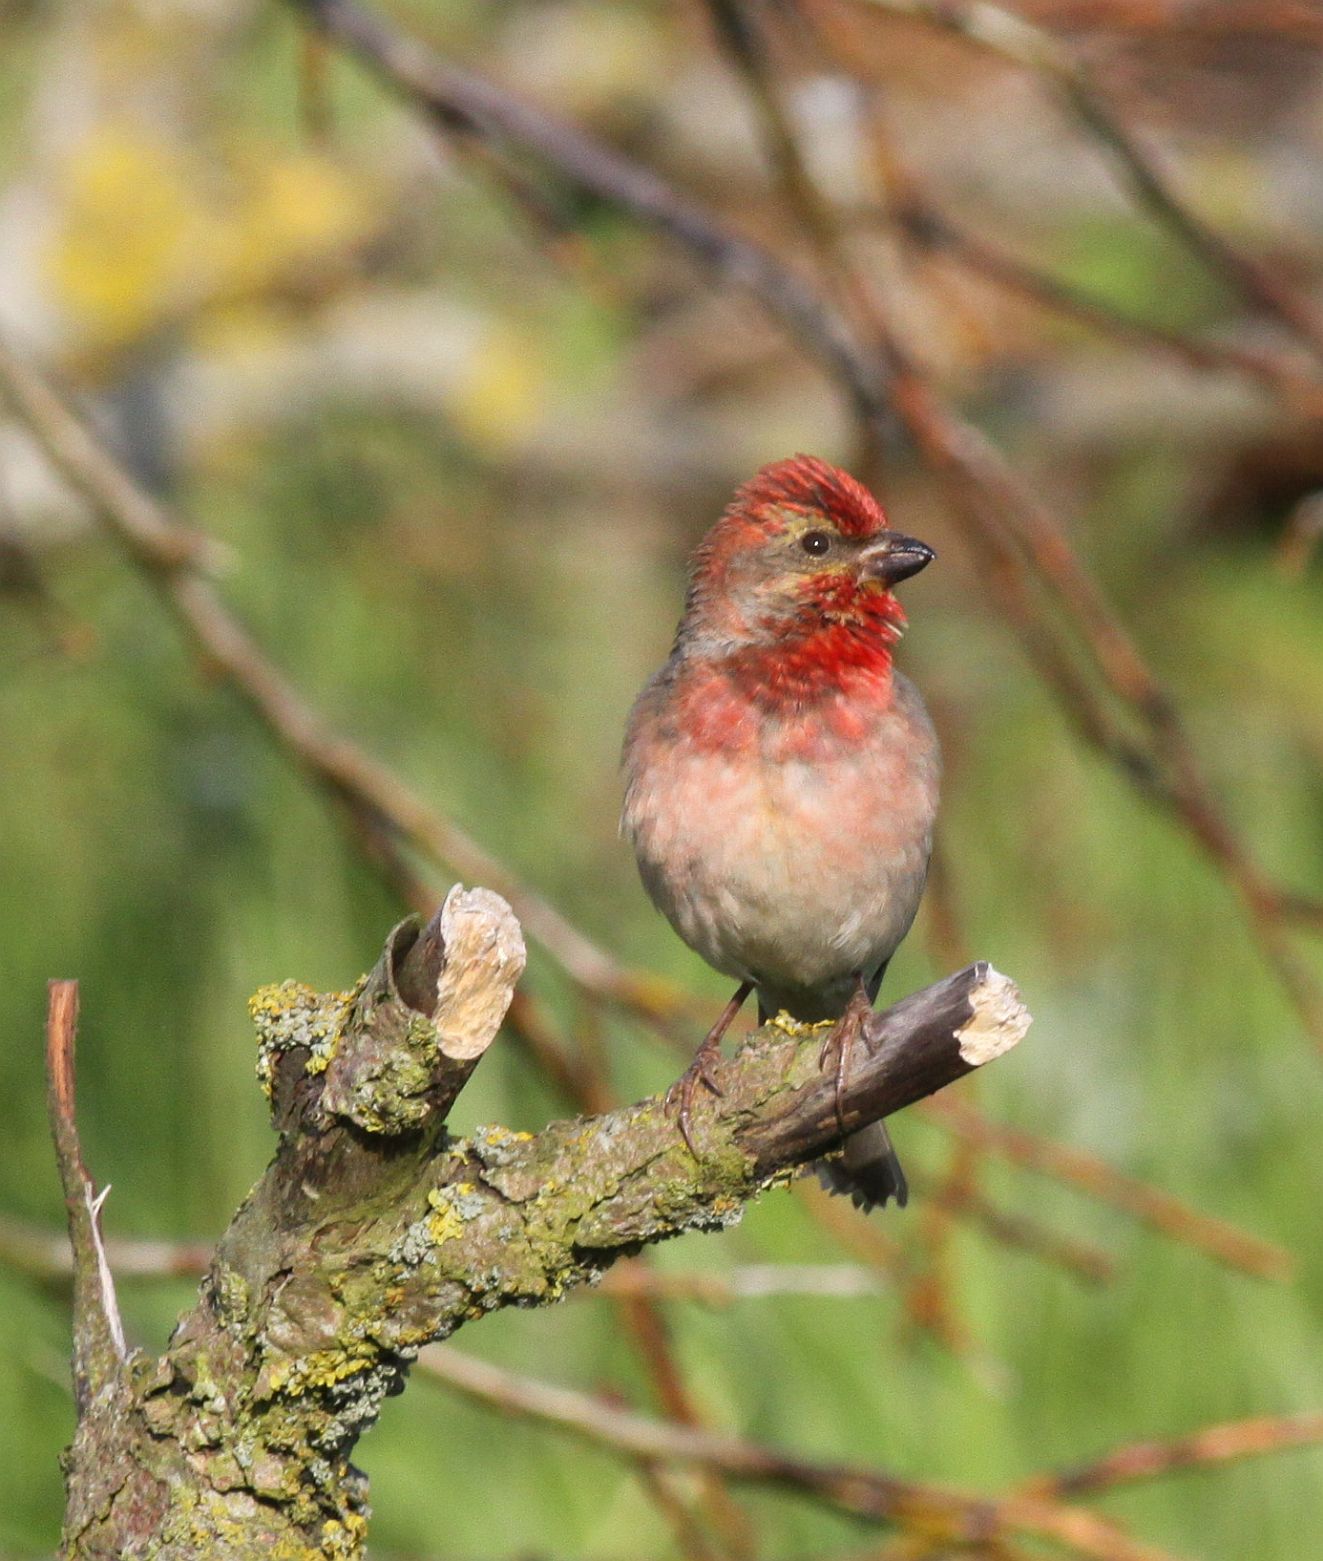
(802, 549)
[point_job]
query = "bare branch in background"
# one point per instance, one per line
(863, 1492)
(939, 233)
(1091, 1175)
(1213, 1445)
(1015, 38)
(170, 555)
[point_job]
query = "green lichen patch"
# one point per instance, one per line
(288, 1015)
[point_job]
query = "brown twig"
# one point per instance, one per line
(859, 1490)
(170, 556)
(1215, 1444)
(1089, 1174)
(1086, 1262)
(99, 1347)
(1015, 38)
(461, 101)
(46, 1256)
(1001, 516)
(939, 233)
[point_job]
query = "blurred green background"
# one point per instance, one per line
(451, 473)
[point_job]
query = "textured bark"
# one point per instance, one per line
(373, 1233)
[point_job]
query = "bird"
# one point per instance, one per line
(781, 775)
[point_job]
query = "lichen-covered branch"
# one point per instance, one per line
(374, 1233)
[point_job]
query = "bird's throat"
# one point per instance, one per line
(816, 686)
(837, 660)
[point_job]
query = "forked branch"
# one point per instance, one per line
(374, 1233)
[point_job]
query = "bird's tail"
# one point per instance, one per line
(868, 1169)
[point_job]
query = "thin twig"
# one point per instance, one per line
(1089, 1174)
(45, 1255)
(1013, 37)
(1215, 1444)
(856, 1489)
(170, 556)
(99, 1347)
(1082, 1259)
(460, 100)
(940, 233)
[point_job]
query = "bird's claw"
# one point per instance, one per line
(839, 1043)
(680, 1096)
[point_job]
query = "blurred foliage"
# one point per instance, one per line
(452, 472)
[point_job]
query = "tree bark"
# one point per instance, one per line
(373, 1232)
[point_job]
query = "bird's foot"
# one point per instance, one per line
(680, 1096)
(838, 1047)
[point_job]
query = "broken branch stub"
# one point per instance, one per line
(373, 1233)
(391, 1056)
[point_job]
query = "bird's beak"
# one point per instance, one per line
(894, 557)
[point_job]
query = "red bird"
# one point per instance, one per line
(782, 776)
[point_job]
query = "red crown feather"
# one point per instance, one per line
(813, 487)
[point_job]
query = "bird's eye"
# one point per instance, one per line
(815, 542)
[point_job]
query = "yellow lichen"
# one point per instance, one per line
(494, 1133)
(343, 1537)
(321, 1369)
(444, 1223)
(288, 1014)
(796, 1028)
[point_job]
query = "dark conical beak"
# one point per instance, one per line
(894, 557)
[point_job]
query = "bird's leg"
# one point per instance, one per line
(681, 1093)
(840, 1041)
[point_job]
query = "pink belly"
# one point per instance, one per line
(793, 872)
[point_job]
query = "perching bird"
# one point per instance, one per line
(781, 775)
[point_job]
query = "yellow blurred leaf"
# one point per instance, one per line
(502, 393)
(131, 235)
(293, 210)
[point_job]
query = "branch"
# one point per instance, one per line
(373, 1233)
(1216, 1238)
(172, 558)
(460, 100)
(46, 1256)
(863, 1492)
(99, 1350)
(936, 231)
(1216, 1444)
(1015, 38)
(1086, 1262)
